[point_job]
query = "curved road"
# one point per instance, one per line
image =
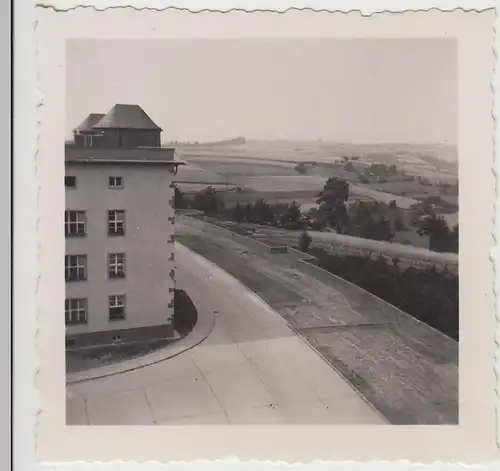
(406, 369)
(252, 369)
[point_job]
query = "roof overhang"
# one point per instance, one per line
(126, 162)
(122, 156)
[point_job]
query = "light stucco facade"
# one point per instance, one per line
(146, 197)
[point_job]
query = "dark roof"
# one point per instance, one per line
(127, 117)
(87, 124)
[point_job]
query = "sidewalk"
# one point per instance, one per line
(201, 331)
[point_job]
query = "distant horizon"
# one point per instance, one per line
(341, 90)
(324, 141)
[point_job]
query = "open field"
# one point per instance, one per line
(194, 173)
(285, 183)
(243, 167)
(434, 161)
(257, 169)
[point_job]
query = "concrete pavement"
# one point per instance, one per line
(252, 369)
(406, 369)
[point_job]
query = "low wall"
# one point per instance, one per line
(403, 260)
(390, 253)
(278, 249)
(405, 323)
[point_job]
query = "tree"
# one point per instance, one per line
(349, 167)
(317, 220)
(370, 219)
(318, 224)
(305, 241)
(440, 239)
(454, 239)
(261, 212)
(278, 210)
(179, 200)
(362, 211)
(376, 229)
(301, 168)
(248, 212)
(292, 214)
(332, 203)
(238, 213)
(207, 201)
(399, 224)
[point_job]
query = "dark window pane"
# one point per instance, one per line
(116, 313)
(70, 182)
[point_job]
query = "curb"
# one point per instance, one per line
(149, 359)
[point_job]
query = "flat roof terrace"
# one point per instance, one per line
(134, 155)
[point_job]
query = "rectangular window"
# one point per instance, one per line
(75, 267)
(116, 182)
(116, 307)
(116, 222)
(116, 265)
(75, 311)
(74, 223)
(70, 182)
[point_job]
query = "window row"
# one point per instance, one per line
(113, 182)
(75, 266)
(75, 223)
(76, 309)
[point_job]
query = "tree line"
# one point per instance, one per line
(367, 219)
(258, 212)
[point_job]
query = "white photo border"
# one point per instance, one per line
(25, 161)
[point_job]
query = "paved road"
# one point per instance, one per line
(252, 369)
(407, 370)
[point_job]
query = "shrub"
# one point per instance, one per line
(305, 241)
(185, 313)
(399, 224)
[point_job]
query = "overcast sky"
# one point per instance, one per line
(359, 91)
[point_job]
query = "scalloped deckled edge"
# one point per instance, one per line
(494, 252)
(38, 187)
(362, 12)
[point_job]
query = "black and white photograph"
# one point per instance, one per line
(261, 231)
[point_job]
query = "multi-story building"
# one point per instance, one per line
(119, 225)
